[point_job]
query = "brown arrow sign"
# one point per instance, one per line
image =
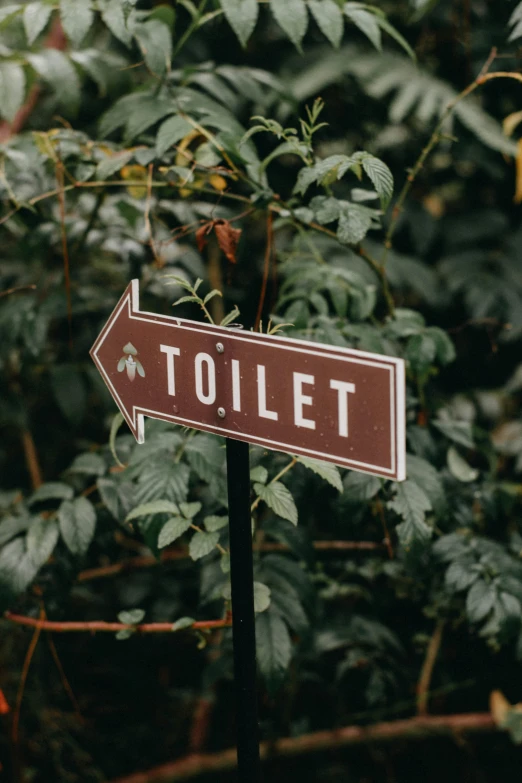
(336, 404)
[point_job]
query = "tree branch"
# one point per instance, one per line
(418, 728)
(432, 651)
(95, 626)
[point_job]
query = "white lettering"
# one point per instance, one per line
(343, 389)
(210, 396)
(301, 399)
(171, 353)
(261, 395)
(236, 388)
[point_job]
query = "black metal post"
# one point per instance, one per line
(243, 618)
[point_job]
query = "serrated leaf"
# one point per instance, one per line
(172, 530)
(274, 648)
(460, 575)
(206, 456)
(189, 510)
(279, 499)
(360, 486)
(89, 463)
(213, 523)
(155, 41)
(36, 16)
(259, 473)
(131, 616)
(170, 132)
(326, 470)
(56, 68)
(292, 16)
(11, 526)
(183, 622)
(12, 89)
(242, 17)
(112, 163)
(52, 490)
(77, 17)
(480, 601)
(459, 468)
(261, 597)
(41, 539)
(329, 18)
(17, 569)
(77, 520)
(411, 503)
(153, 507)
(113, 16)
(460, 432)
(354, 223)
(115, 426)
(365, 21)
(202, 544)
(426, 476)
(381, 177)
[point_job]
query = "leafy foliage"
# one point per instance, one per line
(186, 145)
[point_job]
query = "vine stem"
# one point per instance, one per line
(194, 765)
(435, 137)
(96, 626)
(432, 652)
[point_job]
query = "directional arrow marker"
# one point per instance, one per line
(336, 404)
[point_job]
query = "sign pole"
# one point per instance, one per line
(243, 618)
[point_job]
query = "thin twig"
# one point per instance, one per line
(65, 682)
(31, 458)
(423, 686)
(281, 473)
(23, 679)
(96, 626)
(194, 765)
(266, 267)
(435, 137)
(9, 291)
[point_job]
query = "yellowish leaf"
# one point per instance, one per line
(135, 173)
(499, 707)
(518, 186)
(511, 122)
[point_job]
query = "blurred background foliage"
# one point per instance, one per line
(352, 173)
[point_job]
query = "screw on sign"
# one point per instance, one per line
(336, 404)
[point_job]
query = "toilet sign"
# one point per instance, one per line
(336, 404)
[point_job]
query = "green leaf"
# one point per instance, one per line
(459, 467)
(460, 575)
(396, 35)
(292, 16)
(52, 490)
(206, 456)
(69, 391)
(329, 18)
(360, 486)
(170, 132)
(480, 601)
(17, 568)
(411, 503)
(77, 520)
(89, 463)
(242, 17)
(11, 526)
(124, 634)
(202, 544)
(36, 16)
(365, 21)
(460, 432)
(279, 499)
(131, 616)
(12, 89)
(111, 164)
(326, 470)
(261, 597)
(41, 539)
(259, 473)
(381, 177)
(183, 622)
(113, 16)
(9, 12)
(189, 510)
(213, 523)
(274, 648)
(420, 352)
(425, 475)
(445, 348)
(56, 68)
(354, 223)
(155, 41)
(172, 530)
(153, 507)
(77, 17)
